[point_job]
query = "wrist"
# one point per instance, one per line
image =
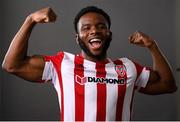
(152, 46)
(30, 20)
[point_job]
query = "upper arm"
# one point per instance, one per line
(31, 68)
(156, 85)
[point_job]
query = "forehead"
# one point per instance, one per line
(91, 18)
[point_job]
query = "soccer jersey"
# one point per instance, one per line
(94, 91)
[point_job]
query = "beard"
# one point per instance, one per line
(90, 54)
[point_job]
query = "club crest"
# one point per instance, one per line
(121, 70)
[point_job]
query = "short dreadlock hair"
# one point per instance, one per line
(91, 9)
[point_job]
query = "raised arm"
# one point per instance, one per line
(16, 60)
(161, 78)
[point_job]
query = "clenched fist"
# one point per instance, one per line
(141, 39)
(43, 16)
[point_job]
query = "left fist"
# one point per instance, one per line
(141, 39)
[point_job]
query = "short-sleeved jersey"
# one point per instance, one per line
(94, 91)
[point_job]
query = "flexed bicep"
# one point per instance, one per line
(31, 68)
(16, 60)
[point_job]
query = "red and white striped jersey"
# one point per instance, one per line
(94, 91)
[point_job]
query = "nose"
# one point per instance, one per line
(94, 31)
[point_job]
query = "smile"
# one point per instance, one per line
(95, 43)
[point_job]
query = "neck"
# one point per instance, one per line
(94, 58)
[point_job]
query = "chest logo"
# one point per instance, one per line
(121, 70)
(83, 80)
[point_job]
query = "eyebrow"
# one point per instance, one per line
(100, 23)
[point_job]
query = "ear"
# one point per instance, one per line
(77, 38)
(109, 33)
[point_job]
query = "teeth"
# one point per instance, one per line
(95, 40)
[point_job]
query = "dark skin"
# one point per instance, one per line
(91, 27)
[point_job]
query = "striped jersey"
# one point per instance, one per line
(94, 91)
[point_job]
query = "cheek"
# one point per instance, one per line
(83, 36)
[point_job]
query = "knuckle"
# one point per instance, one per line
(48, 8)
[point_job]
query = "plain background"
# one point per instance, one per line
(23, 100)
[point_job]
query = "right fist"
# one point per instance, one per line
(43, 16)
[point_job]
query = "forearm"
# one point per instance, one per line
(17, 51)
(161, 65)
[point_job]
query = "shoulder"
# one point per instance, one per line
(126, 61)
(132, 67)
(59, 56)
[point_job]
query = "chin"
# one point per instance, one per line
(98, 54)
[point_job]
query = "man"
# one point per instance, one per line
(90, 86)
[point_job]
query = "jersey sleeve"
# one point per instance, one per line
(51, 67)
(143, 74)
(48, 71)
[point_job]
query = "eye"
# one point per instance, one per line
(85, 28)
(102, 26)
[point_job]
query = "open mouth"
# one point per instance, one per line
(95, 43)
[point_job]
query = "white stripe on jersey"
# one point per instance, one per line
(47, 73)
(131, 74)
(143, 77)
(112, 93)
(67, 67)
(90, 93)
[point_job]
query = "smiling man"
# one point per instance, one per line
(90, 86)
(93, 43)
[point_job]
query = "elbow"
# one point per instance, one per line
(171, 86)
(173, 89)
(8, 68)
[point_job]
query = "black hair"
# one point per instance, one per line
(91, 9)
